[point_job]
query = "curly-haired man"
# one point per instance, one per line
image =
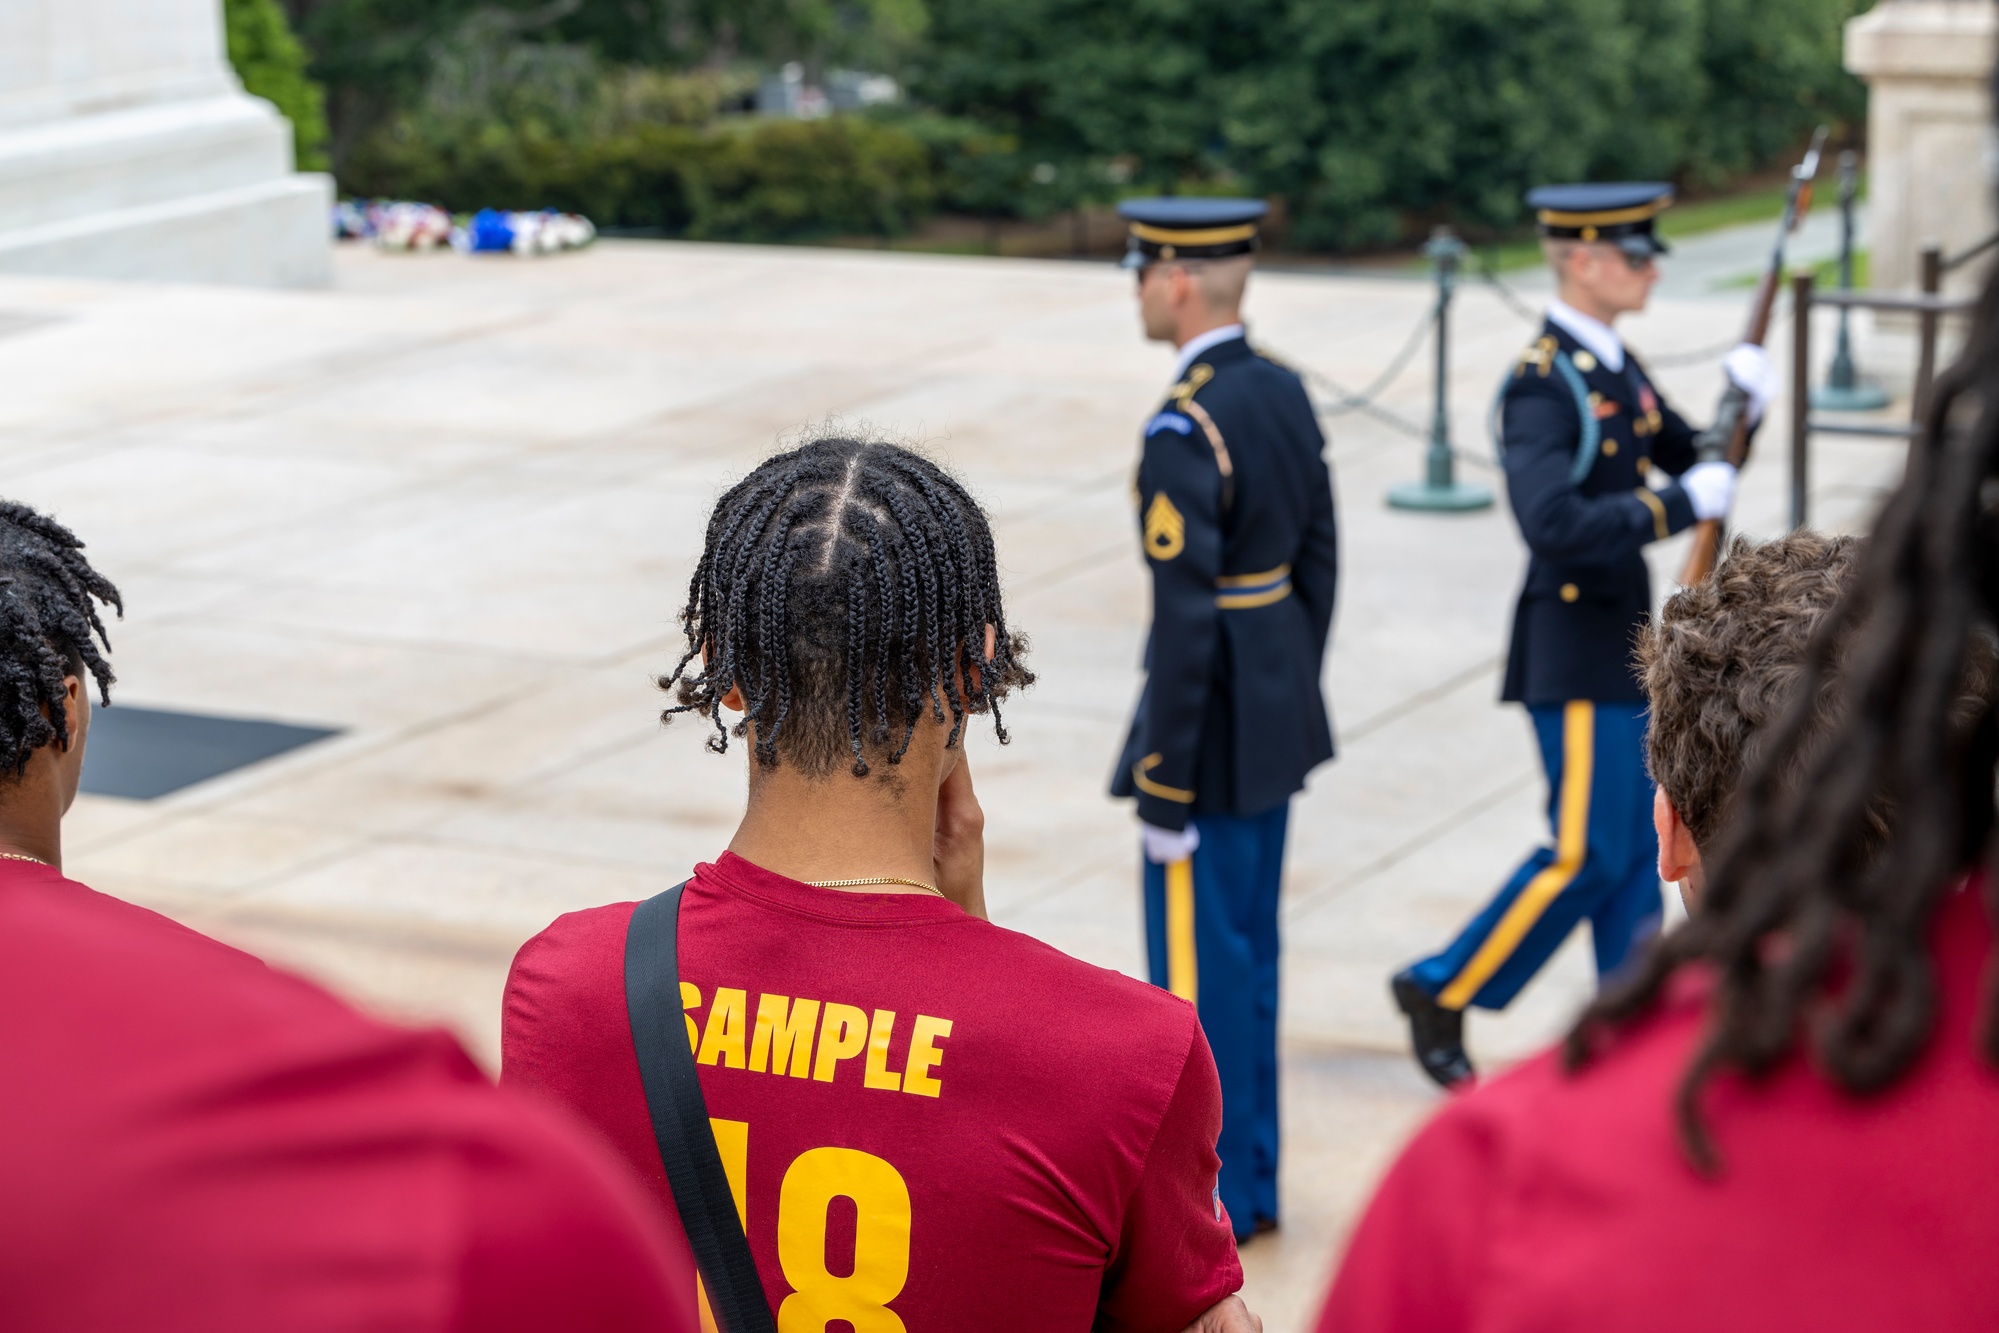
(1720, 664)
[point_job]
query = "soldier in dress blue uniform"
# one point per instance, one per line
(1597, 467)
(1235, 509)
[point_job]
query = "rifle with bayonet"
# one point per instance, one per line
(1727, 440)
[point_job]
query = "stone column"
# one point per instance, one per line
(129, 150)
(1928, 66)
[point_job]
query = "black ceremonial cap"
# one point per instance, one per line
(1618, 211)
(1184, 228)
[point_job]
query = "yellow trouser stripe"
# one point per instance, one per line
(1571, 840)
(1180, 972)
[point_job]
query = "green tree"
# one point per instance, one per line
(1770, 69)
(1394, 111)
(1372, 118)
(372, 56)
(681, 34)
(272, 65)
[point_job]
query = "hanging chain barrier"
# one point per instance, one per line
(1367, 400)
(1483, 270)
(1703, 355)
(1512, 300)
(1333, 398)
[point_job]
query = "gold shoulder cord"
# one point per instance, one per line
(1183, 394)
(1197, 375)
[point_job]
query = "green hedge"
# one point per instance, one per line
(1370, 119)
(1373, 118)
(742, 179)
(272, 65)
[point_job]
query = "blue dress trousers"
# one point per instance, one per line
(1590, 456)
(1235, 513)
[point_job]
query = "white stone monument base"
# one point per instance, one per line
(1929, 130)
(194, 191)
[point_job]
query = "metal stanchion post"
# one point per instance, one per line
(1801, 379)
(1843, 390)
(1440, 490)
(1930, 266)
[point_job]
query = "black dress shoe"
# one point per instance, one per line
(1437, 1033)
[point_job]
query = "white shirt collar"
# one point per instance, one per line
(1592, 333)
(1191, 351)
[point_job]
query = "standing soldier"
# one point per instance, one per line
(1583, 436)
(1236, 519)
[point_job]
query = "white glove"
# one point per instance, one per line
(1711, 488)
(1748, 368)
(1164, 846)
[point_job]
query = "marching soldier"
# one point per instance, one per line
(1597, 467)
(1236, 519)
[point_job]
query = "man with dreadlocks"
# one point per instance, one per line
(926, 1121)
(192, 1141)
(1784, 1116)
(1236, 523)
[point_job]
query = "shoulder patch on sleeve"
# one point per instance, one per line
(1168, 421)
(1165, 529)
(1540, 355)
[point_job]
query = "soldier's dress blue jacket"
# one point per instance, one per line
(1589, 454)
(1582, 443)
(1235, 508)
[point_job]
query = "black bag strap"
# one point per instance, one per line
(680, 1119)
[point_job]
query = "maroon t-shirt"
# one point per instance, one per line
(1563, 1204)
(923, 1113)
(190, 1140)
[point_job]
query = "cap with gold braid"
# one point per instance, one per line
(1183, 228)
(1620, 212)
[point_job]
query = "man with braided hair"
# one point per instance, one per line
(192, 1141)
(927, 1122)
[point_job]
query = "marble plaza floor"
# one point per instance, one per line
(450, 507)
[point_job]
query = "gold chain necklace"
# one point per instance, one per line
(880, 879)
(16, 856)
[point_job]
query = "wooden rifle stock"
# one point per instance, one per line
(1727, 440)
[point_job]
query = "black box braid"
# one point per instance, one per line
(844, 587)
(49, 629)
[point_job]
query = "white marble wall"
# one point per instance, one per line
(65, 58)
(1928, 66)
(129, 150)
